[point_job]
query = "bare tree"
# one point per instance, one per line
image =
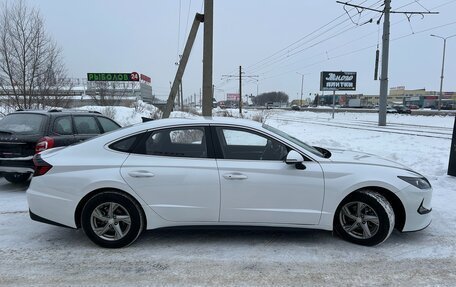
(32, 74)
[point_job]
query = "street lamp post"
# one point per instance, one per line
(443, 67)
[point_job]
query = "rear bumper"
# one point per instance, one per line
(35, 217)
(17, 165)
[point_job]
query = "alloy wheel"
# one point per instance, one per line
(359, 220)
(110, 221)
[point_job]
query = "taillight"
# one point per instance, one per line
(44, 144)
(41, 166)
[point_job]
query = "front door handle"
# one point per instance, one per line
(234, 176)
(141, 173)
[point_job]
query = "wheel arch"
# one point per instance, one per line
(85, 199)
(393, 199)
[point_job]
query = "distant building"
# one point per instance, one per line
(80, 92)
(398, 96)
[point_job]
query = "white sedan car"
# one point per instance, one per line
(177, 172)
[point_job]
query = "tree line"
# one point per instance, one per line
(270, 97)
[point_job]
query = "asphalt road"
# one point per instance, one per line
(33, 253)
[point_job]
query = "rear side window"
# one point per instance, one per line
(86, 125)
(63, 126)
(23, 124)
(125, 145)
(177, 142)
(107, 124)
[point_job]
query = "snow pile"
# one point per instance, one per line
(126, 116)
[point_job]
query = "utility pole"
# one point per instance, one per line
(443, 66)
(384, 74)
(181, 91)
(302, 87)
(240, 76)
(207, 57)
(385, 50)
(240, 90)
(182, 64)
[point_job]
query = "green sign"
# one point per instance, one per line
(122, 77)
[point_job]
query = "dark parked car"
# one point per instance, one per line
(25, 133)
(295, 108)
(402, 110)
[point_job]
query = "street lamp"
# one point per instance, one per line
(302, 85)
(443, 66)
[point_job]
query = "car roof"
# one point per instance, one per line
(56, 112)
(200, 121)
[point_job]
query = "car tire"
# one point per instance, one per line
(364, 218)
(112, 219)
(17, 178)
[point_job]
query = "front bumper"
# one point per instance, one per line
(417, 204)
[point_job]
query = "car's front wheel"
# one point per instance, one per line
(112, 219)
(365, 218)
(17, 178)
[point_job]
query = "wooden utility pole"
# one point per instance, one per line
(182, 64)
(207, 57)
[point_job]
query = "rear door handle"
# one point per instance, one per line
(235, 176)
(141, 173)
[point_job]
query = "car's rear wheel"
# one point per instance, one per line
(112, 219)
(365, 218)
(17, 178)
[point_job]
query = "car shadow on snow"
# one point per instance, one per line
(7, 186)
(181, 238)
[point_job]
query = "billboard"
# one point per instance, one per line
(108, 77)
(145, 79)
(232, 97)
(338, 81)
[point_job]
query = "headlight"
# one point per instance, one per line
(419, 182)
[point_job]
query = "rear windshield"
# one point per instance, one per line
(23, 124)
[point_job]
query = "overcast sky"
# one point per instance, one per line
(148, 35)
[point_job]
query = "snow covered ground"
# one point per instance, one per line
(32, 253)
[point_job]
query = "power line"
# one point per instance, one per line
(364, 48)
(349, 42)
(289, 55)
(224, 83)
(178, 31)
(299, 40)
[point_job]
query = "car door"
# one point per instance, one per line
(258, 187)
(62, 131)
(86, 127)
(174, 171)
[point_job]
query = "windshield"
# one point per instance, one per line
(294, 140)
(23, 124)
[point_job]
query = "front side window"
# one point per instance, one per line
(248, 145)
(294, 140)
(176, 142)
(86, 125)
(107, 124)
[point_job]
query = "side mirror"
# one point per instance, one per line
(293, 157)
